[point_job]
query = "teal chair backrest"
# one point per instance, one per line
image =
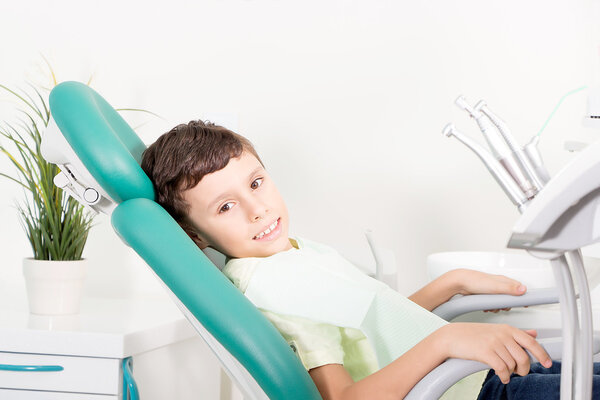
(111, 151)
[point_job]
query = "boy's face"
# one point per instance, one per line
(235, 207)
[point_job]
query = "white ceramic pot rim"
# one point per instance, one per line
(54, 269)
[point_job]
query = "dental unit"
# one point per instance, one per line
(559, 216)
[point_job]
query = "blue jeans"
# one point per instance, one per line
(540, 384)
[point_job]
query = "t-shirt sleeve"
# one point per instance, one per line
(315, 343)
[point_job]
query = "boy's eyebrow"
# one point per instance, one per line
(224, 195)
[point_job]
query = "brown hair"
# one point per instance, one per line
(180, 158)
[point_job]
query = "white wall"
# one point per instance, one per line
(344, 100)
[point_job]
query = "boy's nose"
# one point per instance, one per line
(258, 217)
(259, 214)
(258, 211)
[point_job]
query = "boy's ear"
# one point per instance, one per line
(194, 235)
(200, 242)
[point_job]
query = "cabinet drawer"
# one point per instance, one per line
(36, 395)
(79, 374)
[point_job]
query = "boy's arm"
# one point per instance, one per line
(392, 382)
(437, 292)
(499, 346)
(464, 281)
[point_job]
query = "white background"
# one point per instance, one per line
(344, 101)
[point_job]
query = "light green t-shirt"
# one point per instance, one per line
(318, 344)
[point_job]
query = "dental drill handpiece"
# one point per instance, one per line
(522, 159)
(495, 143)
(505, 181)
(498, 147)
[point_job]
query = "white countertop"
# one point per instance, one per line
(112, 328)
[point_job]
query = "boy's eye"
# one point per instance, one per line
(226, 207)
(257, 182)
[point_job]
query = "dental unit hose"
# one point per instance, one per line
(499, 147)
(531, 151)
(516, 152)
(505, 181)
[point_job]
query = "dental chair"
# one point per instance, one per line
(99, 154)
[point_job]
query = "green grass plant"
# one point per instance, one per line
(56, 225)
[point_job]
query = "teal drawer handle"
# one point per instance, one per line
(31, 368)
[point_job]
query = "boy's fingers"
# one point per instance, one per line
(531, 332)
(499, 367)
(496, 310)
(521, 358)
(508, 359)
(536, 349)
(511, 286)
(519, 289)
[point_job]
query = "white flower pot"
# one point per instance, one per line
(54, 287)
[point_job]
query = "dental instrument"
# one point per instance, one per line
(495, 143)
(385, 261)
(503, 178)
(499, 148)
(533, 154)
(516, 151)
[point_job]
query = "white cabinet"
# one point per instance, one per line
(87, 350)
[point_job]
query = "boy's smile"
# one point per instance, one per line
(272, 231)
(239, 211)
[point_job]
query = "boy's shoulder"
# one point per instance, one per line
(240, 270)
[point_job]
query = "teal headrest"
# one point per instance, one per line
(102, 140)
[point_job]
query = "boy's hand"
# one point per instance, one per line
(477, 282)
(464, 281)
(468, 281)
(499, 346)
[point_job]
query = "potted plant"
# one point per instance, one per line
(56, 225)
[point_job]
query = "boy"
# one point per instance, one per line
(214, 184)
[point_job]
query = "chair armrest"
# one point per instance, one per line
(441, 378)
(435, 383)
(477, 302)
(553, 346)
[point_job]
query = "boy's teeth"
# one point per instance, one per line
(267, 231)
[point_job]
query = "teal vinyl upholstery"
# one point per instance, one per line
(111, 151)
(103, 141)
